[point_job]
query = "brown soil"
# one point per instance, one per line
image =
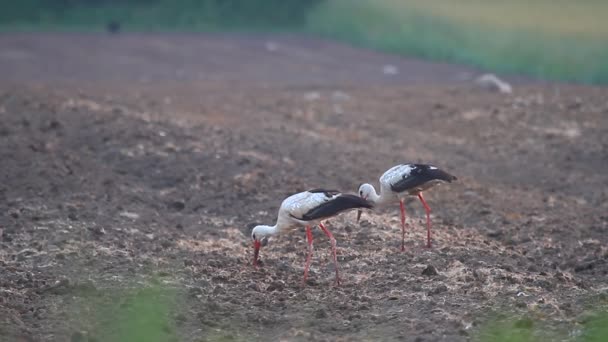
(134, 160)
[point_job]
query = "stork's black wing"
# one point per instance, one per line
(336, 206)
(327, 192)
(420, 174)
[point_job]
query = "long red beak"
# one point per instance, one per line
(256, 251)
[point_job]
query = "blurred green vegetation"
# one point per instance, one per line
(188, 15)
(147, 314)
(518, 328)
(134, 315)
(549, 39)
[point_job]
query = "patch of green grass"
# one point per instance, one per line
(596, 328)
(509, 330)
(142, 314)
(556, 40)
(527, 329)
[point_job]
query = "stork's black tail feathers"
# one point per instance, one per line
(442, 175)
(339, 204)
(421, 174)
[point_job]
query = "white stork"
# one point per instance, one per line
(308, 209)
(405, 180)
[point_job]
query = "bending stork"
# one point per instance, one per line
(406, 180)
(308, 209)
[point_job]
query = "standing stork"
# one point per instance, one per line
(405, 180)
(308, 209)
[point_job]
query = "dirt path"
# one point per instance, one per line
(261, 59)
(137, 160)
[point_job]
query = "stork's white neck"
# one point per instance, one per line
(383, 198)
(262, 231)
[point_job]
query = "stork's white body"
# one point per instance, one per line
(392, 176)
(294, 209)
(308, 209)
(405, 180)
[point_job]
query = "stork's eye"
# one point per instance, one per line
(253, 236)
(361, 193)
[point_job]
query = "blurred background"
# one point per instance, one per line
(550, 39)
(139, 139)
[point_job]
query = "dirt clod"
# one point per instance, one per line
(321, 313)
(176, 205)
(430, 271)
(275, 286)
(437, 290)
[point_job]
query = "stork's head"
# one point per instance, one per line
(259, 235)
(365, 191)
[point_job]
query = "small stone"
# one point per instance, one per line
(60, 287)
(129, 215)
(195, 291)
(271, 46)
(430, 271)
(390, 70)
(321, 313)
(98, 231)
(311, 282)
(253, 286)
(493, 83)
(275, 286)
(166, 244)
(312, 96)
(340, 96)
(494, 233)
(545, 284)
(439, 289)
(176, 205)
(584, 267)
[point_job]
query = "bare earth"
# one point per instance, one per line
(139, 160)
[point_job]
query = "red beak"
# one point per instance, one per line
(256, 251)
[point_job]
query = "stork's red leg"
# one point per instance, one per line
(333, 249)
(402, 206)
(428, 220)
(256, 252)
(309, 256)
